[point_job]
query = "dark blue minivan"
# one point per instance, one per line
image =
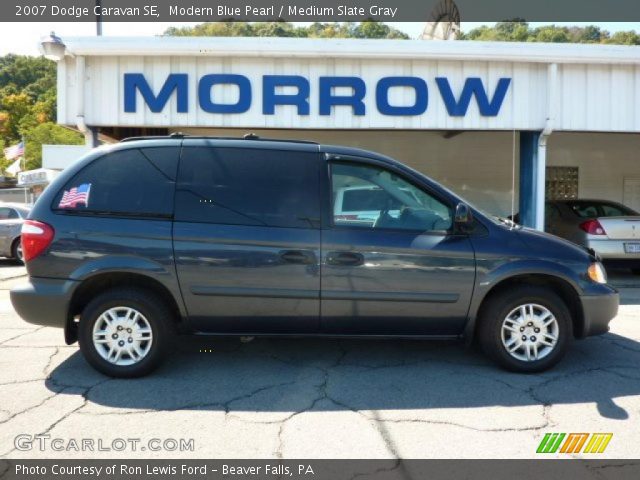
(153, 237)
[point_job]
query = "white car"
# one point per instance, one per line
(12, 215)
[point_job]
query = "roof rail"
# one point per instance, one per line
(248, 136)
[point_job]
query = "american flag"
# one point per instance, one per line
(14, 152)
(76, 196)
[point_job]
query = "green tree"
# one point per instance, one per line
(47, 133)
(518, 30)
(624, 38)
(367, 29)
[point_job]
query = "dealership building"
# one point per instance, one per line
(504, 125)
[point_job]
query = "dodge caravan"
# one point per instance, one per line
(153, 237)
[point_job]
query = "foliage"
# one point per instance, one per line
(518, 30)
(47, 133)
(28, 106)
(367, 29)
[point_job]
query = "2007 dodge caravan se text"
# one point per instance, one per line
(153, 237)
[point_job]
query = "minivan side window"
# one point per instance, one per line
(246, 186)
(366, 196)
(135, 182)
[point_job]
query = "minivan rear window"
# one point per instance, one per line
(135, 182)
(247, 186)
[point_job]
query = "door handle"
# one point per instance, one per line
(298, 256)
(350, 259)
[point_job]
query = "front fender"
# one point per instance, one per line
(489, 275)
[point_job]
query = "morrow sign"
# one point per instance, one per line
(330, 94)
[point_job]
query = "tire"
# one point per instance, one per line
(635, 271)
(16, 251)
(149, 348)
(500, 326)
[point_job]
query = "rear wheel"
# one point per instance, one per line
(125, 332)
(525, 329)
(16, 250)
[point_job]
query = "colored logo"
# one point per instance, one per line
(574, 443)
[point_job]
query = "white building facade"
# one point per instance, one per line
(503, 124)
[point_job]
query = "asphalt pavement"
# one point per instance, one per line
(313, 398)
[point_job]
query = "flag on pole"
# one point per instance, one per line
(15, 151)
(15, 167)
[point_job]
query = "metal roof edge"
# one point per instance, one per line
(353, 48)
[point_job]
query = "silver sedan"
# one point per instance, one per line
(609, 228)
(12, 215)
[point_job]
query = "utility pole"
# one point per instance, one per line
(99, 18)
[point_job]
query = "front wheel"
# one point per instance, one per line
(125, 332)
(526, 329)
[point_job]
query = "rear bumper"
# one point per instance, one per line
(44, 301)
(598, 311)
(613, 249)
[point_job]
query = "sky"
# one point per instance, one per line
(23, 38)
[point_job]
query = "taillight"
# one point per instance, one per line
(593, 227)
(36, 237)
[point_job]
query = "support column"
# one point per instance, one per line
(91, 137)
(532, 180)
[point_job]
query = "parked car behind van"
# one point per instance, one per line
(143, 240)
(12, 215)
(609, 228)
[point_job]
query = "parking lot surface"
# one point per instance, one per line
(315, 398)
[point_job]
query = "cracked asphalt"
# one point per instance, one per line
(319, 398)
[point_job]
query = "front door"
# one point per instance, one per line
(390, 263)
(247, 239)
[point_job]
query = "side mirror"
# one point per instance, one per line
(463, 218)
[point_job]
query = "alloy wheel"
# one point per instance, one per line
(530, 332)
(122, 336)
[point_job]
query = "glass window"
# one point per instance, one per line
(613, 210)
(584, 210)
(590, 209)
(128, 182)
(370, 197)
(246, 186)
(5, 213)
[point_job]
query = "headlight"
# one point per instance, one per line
(596, 273)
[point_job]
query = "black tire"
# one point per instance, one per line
(16, 251)
(635, 271)
(155, 312)
(499, 306)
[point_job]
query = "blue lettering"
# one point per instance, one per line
(270, 98)
(473, 86)
(328, 99)
(177, 82)
(419, 86)
(205, 93)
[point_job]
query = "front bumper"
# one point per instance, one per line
(44, 301)
(598, 311)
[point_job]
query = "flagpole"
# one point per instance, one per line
(24, 154)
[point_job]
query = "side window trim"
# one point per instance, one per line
(329, 223)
